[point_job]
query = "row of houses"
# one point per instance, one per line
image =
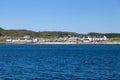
(84, 38)
(93, 38)
(25, 39)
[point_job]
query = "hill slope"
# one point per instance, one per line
(50, 34)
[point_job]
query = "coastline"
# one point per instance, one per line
(63, 43)
(77, 43)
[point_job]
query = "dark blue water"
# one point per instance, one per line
(59, 62)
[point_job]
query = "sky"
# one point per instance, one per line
(81, 16)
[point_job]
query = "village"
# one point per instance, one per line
(84, 39)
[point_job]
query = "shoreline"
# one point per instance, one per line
(67, 43)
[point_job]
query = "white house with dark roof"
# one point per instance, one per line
(99, 38)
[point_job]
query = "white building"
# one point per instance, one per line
(8, 40)
(85, 39)
(35, 40)
(99, 38)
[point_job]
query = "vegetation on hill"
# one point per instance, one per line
(45, 34)
(55, 34)
(18, 33)
(108, 35)
(112, 35)
(49, 34)
(95, 34)
(114, 39)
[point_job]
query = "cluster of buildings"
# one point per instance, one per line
(93, 38)
(83, 39)
(25, 39)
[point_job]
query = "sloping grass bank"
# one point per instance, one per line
(114, 39)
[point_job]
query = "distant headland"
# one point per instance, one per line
(56, 37)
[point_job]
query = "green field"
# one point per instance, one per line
(114, 39)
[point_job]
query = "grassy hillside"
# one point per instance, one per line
(112, 35)
(45, 34)
(114, 39)
(54, 34)
(18, 33)
(50, 34)
(108, 35)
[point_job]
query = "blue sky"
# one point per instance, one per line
(80, 16)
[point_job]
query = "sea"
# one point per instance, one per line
(59, 62)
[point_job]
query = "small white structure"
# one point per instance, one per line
(35, 40)
(27, 36)
(8, 40)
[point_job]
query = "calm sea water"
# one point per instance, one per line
(59, 62)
